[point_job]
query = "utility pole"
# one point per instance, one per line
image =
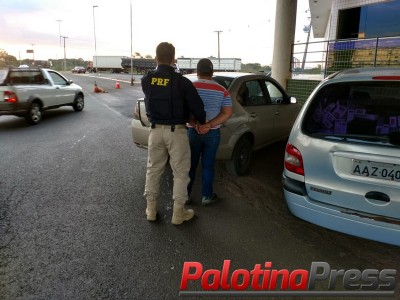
(65, 54)
(219, 58)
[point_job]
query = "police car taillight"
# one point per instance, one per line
(293, 160)
(10, 97)
(386, 77)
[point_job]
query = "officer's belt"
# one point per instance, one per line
(172, 127)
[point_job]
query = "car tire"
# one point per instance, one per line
(240, 162)
(79, 103)
(34, 114)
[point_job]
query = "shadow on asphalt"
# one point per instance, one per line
(262, 189)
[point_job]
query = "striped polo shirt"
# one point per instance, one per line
(214, 97)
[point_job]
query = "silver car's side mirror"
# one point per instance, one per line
(293, 100)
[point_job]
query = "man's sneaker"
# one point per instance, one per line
(207, 200)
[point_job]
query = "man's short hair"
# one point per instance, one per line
(205, 67)
(165, 53)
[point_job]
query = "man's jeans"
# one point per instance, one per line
(203, 146)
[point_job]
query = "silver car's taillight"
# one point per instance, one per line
(293, 160)
(136, 112)
(10, 97)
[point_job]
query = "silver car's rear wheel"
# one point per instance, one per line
(34, 114)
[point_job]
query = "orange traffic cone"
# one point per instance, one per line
(117, 86)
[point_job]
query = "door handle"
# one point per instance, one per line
(277, 113)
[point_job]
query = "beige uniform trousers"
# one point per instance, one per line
(164, 143)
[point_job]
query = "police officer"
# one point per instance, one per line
(170, 98)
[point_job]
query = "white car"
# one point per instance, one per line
(342, 160)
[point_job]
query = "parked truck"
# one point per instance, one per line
(27, 92)
(140, 65)
(189, 65)
(110, 64)
(183, 65)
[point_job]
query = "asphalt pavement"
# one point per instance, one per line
(72, 222)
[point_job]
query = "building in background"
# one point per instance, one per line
(352, 33)
(354, 19)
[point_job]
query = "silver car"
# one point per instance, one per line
(27, 92)
(342, 160)
(262, 114)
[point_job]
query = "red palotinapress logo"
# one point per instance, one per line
(263, 279)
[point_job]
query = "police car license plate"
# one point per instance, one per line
(376, 170)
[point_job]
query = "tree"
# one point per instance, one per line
(7, 60)
(255, 68)
(148, 56)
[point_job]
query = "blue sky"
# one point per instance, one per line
(247, 29)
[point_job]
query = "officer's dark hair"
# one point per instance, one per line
(165, 53)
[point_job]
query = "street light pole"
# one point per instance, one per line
(306, 29)
(59, 29)
(94, 30)
(33, 52)
(219, 58)
(65, 54)
(132, 79)
(33, 55)
(59, 34)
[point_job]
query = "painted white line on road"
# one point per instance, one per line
(105, 105)
(113, 110)
(79, 140)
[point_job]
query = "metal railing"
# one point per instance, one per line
(320, 59)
